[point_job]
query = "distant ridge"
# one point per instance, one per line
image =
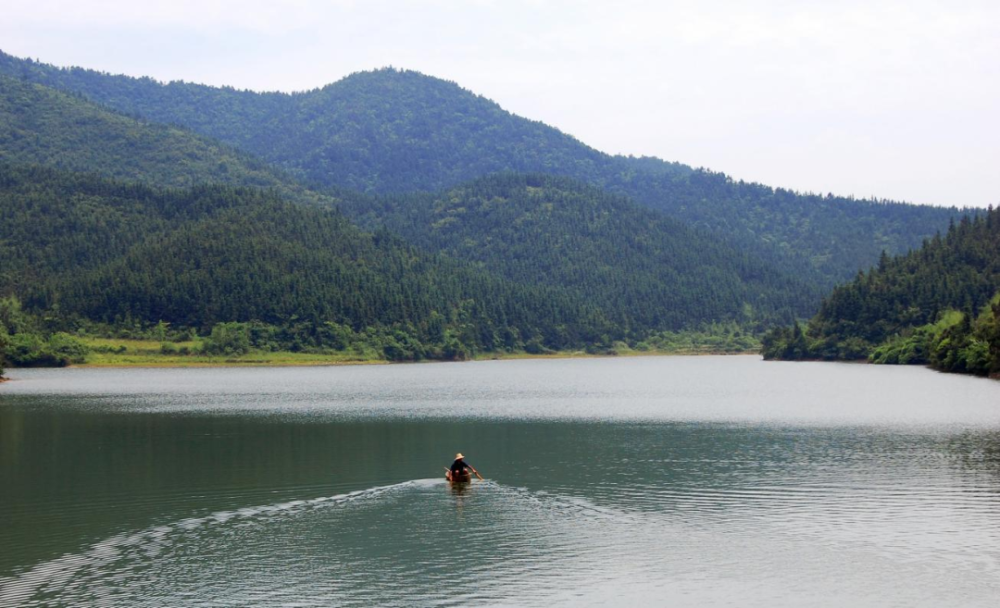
(391, 131)
(634, 269)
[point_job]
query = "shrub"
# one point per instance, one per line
(228, 339)
(68, 346)
(30, 350)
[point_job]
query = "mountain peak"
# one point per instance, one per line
(392, 130)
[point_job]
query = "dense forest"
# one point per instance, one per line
(42, 126)
(394, 214)
(646, 270)
(678, 279)
(81, 249)
(391, 131)
(939, 305)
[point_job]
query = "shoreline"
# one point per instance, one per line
(224, 363)
(629, 354)
(150, 362)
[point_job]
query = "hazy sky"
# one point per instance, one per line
(891, 99)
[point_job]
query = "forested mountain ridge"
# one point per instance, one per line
(532, 259)
(938, 305)
(646, 269)
(398, 131)
(43, 126)
(645, 290)
(380, 131)
(39, 125)
(95, 249)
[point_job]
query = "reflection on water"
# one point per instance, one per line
(644, 481)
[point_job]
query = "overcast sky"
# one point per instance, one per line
(896, 100)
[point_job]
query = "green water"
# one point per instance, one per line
(684, 481)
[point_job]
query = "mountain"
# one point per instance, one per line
(383, 131)
(43, 126)
(397, 131)
(39, 125)
(645, 269)
(938, 305)
(88, 248)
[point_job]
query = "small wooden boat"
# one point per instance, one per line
(464, 477)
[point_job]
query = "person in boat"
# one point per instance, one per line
(459, 470)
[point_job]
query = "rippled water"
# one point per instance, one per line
(684, 481)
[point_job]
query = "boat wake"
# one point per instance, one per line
(97, 574)
(521, 546)
(55, 576)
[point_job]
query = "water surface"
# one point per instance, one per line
(692, 481)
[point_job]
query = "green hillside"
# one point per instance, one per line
(88, 249)
(937, 305)
(42, 126)
(646, 269)
(400, 131)
(383, 131)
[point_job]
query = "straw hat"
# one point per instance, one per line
(459, 456)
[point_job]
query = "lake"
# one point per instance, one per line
(683, 481)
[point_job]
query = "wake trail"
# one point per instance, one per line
(53, 577)
(56, 574)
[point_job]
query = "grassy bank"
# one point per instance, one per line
(35, 341)
(108, 352)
